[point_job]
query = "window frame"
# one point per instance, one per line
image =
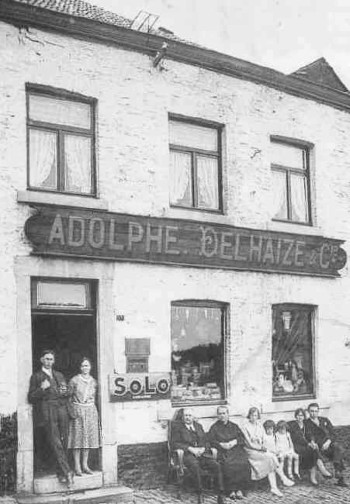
(90, 291)
(60, 130)
(195, 152)
(313, 312)
(306, 147)
(224, 307)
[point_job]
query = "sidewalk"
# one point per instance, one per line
(302, 493)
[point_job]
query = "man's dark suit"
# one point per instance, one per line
(50, 412)
(321, 433)
(182, 439)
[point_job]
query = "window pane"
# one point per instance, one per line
(208, 190)
(288, 155)
(77, 173)
(62, 295)
(180, 179)
(42, 159)
(63, 112)
(197, 353)
(299, 198)
(292, 351)
(192, 135)
(279, 194)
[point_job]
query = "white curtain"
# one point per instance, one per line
(299, 198)
(43, 159)
(207, 173)
(180, 179)
(279, 195)
(77, 169)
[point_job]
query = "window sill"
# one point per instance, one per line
(67, 200)
(183, 404)
(293, 227)
(306, 397)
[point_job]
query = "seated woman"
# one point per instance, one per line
(263, 463)
(228, 439)
(305, 446)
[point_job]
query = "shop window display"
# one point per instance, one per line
(292, 351)
(197, 352)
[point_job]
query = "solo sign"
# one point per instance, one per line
(130, 387)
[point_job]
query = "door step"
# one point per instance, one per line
(50, 484)
(110, 495)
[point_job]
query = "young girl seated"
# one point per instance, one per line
(270, 445)
(285, 450)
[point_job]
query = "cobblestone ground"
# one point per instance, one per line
(302, 493)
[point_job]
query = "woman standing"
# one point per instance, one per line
(84, 432)
(305, 447)
(228, 439)
(263, 463)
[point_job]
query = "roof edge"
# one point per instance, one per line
(20, 14)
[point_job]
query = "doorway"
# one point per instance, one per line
(63, 320)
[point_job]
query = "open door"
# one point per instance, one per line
(63, 320)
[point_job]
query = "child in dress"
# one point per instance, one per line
(270, 445)
(285, 450)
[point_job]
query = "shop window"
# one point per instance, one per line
(197, 364)
(60, 142)
(195, 176)
(292, 351)
(290, 182)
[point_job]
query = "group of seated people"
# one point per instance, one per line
(257, 450)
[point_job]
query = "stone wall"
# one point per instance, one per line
(8, 449)
(143, 465)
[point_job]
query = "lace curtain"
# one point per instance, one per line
(279, 195)
(77, 150)
(43, 159)
(299, 198)
(207, 173)
(180, 178)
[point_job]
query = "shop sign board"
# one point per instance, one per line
(140, 386)
(74, 232)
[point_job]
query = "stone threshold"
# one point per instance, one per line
(109, 495)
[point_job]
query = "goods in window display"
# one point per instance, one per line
(292, 350)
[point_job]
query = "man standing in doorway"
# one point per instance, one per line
(324, 435)
(48, 393)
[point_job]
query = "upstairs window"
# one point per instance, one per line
(194, 165)
(290, 182)
(60, 143)
(198, 355)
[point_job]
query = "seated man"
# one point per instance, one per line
(322, 430)
(189, 436)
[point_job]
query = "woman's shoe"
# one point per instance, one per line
(232, 496)
(291, 477)
(78, 473)
(287, 482)
(277, 492)
(313, 482)
(239, 495)
(87, 470)
(297, 476)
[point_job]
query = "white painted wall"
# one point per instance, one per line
(134, 100)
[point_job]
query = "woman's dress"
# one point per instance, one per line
(234, 462)
(84, 430)
(301, 436)
(262, 462)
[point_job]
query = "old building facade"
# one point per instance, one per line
(184, 222)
